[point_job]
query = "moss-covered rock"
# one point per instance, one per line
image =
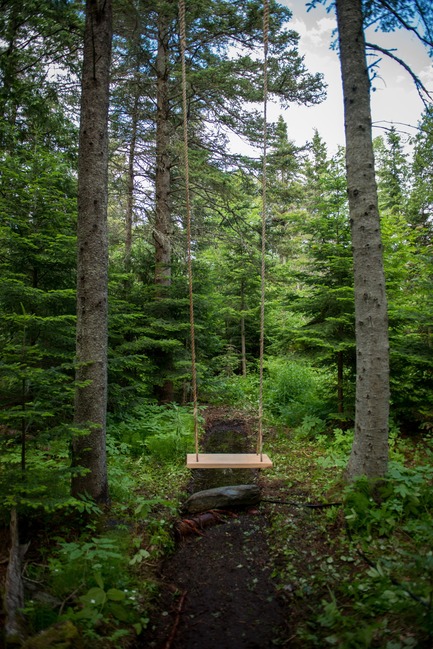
(223, 497)
(63, 635)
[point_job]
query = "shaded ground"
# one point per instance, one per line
(217, 590)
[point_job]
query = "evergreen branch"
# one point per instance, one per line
(405, 24)
(417, 81)
(424, 21)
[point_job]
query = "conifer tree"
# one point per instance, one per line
(327, 276)
(408, 277)
(221, 79)
(421, 196)
(89, 455)
(37, 219)
(369, 454)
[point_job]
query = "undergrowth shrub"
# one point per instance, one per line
(294, 391)
(234, 390)
(338, 445)
(165, 432)
(310, 427)
(403, 498)
(101, 582)
(391, 522)
(386, 600)
(95, 588)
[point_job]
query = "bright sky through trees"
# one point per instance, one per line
(395, 98)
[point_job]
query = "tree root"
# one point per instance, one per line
(175, 626)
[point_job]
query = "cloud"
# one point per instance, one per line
(426, 76)
(315, 33)
(395, 100)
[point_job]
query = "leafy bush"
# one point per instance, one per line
(235, 390)
(403, 497)
(166, 432)
(294, 390)
(338, 444)
(310, 427)
(93, 576)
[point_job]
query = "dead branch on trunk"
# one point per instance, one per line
(14, 589)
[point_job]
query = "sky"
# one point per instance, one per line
(395, 98)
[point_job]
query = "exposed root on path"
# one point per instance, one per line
(173, 632)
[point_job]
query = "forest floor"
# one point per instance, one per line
(254, 576)
(286, 572)
(217, 589)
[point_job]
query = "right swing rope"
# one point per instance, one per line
(264, 209)
(231, 460)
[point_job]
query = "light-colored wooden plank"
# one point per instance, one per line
(228, 460)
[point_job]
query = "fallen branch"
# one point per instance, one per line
(295, 504)
(196, 524)
(172, 635)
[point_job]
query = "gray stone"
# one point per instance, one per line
(223, 498)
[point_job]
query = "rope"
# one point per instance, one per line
(264, 206)
(188, 219)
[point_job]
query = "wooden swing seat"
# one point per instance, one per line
(228, 461)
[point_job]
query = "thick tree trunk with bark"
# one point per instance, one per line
(14, 589)
(369, 454)
(243, 337)
(163, 226)
(163, 230)
(131, 182)
(340, 370)
(92, 272)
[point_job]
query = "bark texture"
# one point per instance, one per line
(369, 454)
(131, 181)
(14, 589)
(243, 334)
(92, 272)
(163, 227)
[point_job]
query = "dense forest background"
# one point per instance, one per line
(309, 284)
(310, 362)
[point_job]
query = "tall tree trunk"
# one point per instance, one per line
(14, 589)
(8, 103)
(340, 369)
(369, 454)
(92, 272)
(243, 341)
(131, 178)
(163, 226)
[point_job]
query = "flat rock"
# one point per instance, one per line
(223, 498)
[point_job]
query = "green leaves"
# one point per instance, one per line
(163, 431)
(404, 494)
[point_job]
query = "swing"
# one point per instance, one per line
(197, 460)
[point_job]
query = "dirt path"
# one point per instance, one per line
(217, 589)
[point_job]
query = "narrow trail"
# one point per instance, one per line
(217, 591)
